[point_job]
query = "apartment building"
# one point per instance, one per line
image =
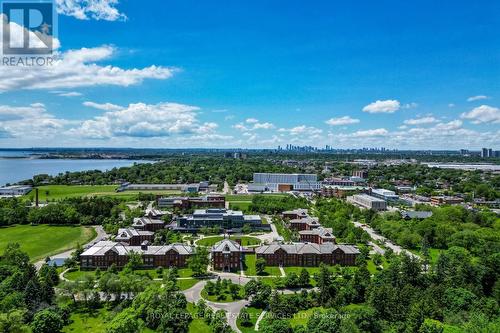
(147, 224)
(106, 253)
(226, 255)
(131, 236)
(318, 235)
(307, 254)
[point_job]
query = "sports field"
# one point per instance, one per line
(45, 240)
(58, 192)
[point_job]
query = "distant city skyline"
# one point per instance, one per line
(261, 75)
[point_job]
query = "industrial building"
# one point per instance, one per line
(15, 190)
(367, 201)
(284, 182)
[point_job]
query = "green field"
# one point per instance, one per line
(198, 324)
(249, 267)
(58, 192)
(45, 240)
(240, 205)
(254, 315)
(245, 240)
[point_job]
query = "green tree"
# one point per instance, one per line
(260, 266)
(198, 262)
(47, 321)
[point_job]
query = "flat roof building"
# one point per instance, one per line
(384, 194)
(15, 190)
(367, 201)
(219, 217)
(284, 182)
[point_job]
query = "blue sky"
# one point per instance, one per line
(262, 74)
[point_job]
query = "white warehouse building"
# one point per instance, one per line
(284, 182)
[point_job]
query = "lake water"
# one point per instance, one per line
(16, 169)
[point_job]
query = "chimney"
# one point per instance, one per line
(144, 245)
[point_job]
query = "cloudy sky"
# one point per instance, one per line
(398, 74)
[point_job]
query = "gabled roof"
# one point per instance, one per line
(102, 247)
(416, 214)
(307, 248)
(227, 245)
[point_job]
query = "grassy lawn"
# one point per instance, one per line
(249, 267)
(58, 192)
(198, 324)
(44, 240)
(184, 284)
(78, 274)
(302, 317)
(254, 315)
(85, 322)
(240, 205)
(245, 240)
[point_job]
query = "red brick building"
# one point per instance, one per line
(148, 224)
(226, 255)
(295, 214)
(106, 253)
(307, 254)
(307, 223)
(131, 236)
(318, 236)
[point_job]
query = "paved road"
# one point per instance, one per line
(374, 235)
(270, 236)
(232, 309)
(101, 234)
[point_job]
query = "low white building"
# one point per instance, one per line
(367, 201)
(384, 194)
(15, 190)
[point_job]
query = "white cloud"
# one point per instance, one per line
(69, 94)
(483, 114)
(451, 105)
(477, 98)
(452, 125)
(411, 105)
(345, 120)
(370, 133)
(420, 121)
(104, 106)
(90, 9)
(301, 130)
(386, 106)
(254, 124)
(33, 121)
(145, 120)
(78, 68)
